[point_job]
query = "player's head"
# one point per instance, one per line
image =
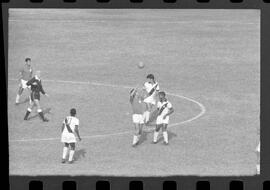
(38, 74)
(150, 77)
(28, 61)
(162, 95)
(73, 112)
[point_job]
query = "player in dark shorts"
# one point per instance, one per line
(36, 88)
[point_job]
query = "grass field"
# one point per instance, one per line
(207, 60)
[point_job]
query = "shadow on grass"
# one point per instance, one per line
(45, 111)
(79, 154)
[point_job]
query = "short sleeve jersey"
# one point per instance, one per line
(149, 87)
(164, 107)
(26, 72)
(72, 121)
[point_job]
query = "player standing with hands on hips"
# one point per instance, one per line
(36, 88)
(69, 127)
(25, 75)
(164, 110)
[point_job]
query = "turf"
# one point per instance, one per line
(210, 56)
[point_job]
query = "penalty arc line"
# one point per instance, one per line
(202, 107)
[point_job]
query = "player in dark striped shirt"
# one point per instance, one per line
(36, 89)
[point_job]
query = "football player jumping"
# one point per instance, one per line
(152, 88)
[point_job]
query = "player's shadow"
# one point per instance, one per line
(79, 154)
(171, 135)
(45, 111)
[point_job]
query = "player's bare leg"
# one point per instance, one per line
(71, 153)
(29, 110)
(20, 91)
(156, 133)
(65, 152)
(165, 133)
(40, 112)
(136, 134)
(258, 150)
(147, 112)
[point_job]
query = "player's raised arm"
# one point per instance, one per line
(30, 81)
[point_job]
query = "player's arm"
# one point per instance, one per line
(63, 127)
(30, 81)
(41, 89)
(77, 132)
(171, 110)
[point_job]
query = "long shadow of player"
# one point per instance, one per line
(45, 111)
(79, 154)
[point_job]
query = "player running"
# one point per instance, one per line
(36, 88)
(25, 75)
(152, 88)
(164, 110)
(138, 108)
(69, 127)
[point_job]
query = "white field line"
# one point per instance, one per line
(202, 112)
(133, 21)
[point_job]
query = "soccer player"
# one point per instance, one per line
(69, 127)
(152, 88)
(138, 108)
(36, 88)
(164, 110)
(25, 75)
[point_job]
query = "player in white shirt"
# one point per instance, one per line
(152, 88)
(138, 108)
(164, 110)
(69, 128)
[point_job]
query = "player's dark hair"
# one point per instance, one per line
(162, 93)
(73, 112)
(27, 59)
(150, 76)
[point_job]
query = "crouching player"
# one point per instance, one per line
(69, 127)
(36, 88)
(151, 87)
(138, 108)
(164, 110)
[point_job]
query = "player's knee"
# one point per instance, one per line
(72, 146)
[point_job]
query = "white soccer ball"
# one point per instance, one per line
(140, 65)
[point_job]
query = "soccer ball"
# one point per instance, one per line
(140, 65)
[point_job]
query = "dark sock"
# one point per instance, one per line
(41, 115)
(26, 115)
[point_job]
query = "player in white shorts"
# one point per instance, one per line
(25, 75)
(152, 88)
(69, 128)
(164, 110)
(138, 108)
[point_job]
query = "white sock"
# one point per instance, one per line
(134, 139)
(147, 116)
(17, 98)
(155, 136)
(71, 153)
(165, 136)
(258, 168)
(30, 99)
(65, 150)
